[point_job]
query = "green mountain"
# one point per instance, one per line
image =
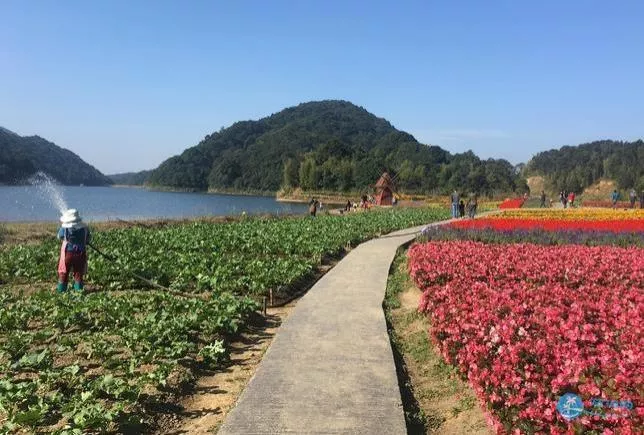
(577, 167)
(130, 178)
(330, 145)
(21, 157)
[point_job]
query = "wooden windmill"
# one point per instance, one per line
(385, 190)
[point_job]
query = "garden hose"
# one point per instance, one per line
(136, 275)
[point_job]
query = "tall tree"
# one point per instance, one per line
(291, 173)
(308, 174)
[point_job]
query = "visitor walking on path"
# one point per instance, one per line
(73, 251)
(471, 206)
(632, 196)
(614, 197)
(455, 200)
(571, 199)
(543, 199)
(461, 209)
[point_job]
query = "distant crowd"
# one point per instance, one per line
(460, 207)
(366, 202)
(567, 199)
(632, 198)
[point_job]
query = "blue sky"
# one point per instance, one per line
(126, 84)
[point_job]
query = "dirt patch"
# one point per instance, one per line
(600, 190)
(26, 233)
(27, 289)
(448, 404)
(298, 195)
(435, 397)
(410, 298)
(215, 393)
(536, 184)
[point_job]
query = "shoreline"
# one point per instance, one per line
(127, 186)
(28, 232)
(306, 200)
(258, 193)
(158, 219)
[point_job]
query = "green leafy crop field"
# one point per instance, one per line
(105, 360)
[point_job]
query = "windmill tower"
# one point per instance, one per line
(385, 190)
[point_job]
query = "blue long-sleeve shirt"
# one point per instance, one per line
(77, 238)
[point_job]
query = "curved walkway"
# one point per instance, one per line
(330, 368)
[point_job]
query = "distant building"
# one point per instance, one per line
(384, 190)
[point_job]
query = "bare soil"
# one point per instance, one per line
(600, 190)
(215, 393)
(448, 404)
(19, 233)
(536, 184)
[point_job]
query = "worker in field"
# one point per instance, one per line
(75, 236)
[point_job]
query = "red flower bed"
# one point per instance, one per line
(528, 323)
(507, 224)
(609, 204)
(512, 203)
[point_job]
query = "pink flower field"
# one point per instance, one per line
(528, 323)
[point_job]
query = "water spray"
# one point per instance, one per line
(49, 189)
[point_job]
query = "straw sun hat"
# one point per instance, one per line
(70, 218)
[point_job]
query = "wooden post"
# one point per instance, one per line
(264, 298)
(270, 295)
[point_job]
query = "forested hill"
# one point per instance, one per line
(130, 178)
(330, 145)
(577, 167)
(21, 157)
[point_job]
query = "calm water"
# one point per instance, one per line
(29, 203)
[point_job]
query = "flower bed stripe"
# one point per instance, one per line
(511, 203)
(514, 223)
(527, 323)
(573, 214)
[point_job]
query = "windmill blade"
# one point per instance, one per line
(393, 183)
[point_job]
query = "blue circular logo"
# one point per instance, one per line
(570, 406)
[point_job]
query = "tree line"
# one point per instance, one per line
(573, 168)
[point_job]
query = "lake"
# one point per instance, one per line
(36, 203)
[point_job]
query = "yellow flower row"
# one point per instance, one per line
(593, 214)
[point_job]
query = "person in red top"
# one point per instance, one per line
(571, 198)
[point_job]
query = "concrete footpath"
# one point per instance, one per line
(330, 368)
